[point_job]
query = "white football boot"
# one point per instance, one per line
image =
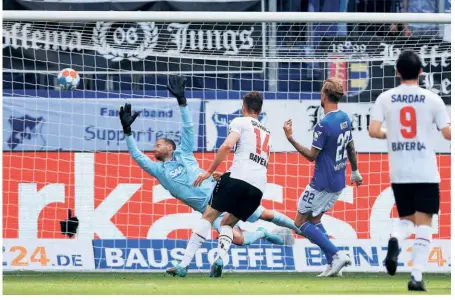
(340, 260)
(327, 271)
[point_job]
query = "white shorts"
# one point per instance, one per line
(253, 218)
(316, 202)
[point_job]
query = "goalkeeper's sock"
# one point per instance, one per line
(311, 232)
(402, 230)
(225, 241)
(283, 221)
(321, 228)
(420, 251)
(200, 232)
(251, 237)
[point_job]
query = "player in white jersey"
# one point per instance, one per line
(239, 191)
(410, 114)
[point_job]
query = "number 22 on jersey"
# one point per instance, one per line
(342, 142)
(260, 145)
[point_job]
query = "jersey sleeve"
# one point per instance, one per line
(441, 118)
(237, 126)
(378, 110)
(141, 159)
(319, 137)
(187, 142)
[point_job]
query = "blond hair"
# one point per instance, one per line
(333, 88)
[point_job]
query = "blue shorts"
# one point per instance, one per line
(253, 218)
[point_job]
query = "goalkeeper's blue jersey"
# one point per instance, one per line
(331, 135)
(178, 174)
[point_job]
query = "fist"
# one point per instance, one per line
(287, 127)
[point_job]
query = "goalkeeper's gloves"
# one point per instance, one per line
(176, 87)
(126, 118)
(356, 177)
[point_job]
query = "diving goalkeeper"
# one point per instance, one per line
(176, 169)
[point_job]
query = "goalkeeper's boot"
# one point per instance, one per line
(414, 285)
(177, 270)
(340, 261)
(391, 260)
(217, 268)
(272, 238)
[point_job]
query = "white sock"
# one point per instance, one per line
(402, 230)
(420, 251)
(200, 232)
(225, 241)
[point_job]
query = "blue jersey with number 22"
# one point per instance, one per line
(331, 135)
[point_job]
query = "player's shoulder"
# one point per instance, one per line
(432, 97)
(388, 94)
(240, 123)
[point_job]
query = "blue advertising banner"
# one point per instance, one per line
(156, 255)
(90, 124)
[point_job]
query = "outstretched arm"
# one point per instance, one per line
(141, 159)
(223, 151)
(187, 142)
(176, 87)
(127, 119)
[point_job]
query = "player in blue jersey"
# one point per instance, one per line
(176, 169)
(332, 146)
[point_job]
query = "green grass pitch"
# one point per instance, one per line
(15, 283)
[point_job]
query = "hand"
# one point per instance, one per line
(288, 129)
(217, 175)
(126, 118)
(176, 87)
(356, 177)
(201, 178)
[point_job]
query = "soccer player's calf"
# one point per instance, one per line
(238, 192)
(332, 146)
(411, 113)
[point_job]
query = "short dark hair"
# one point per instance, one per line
(253, 102)
(170, 142)
(409, 65)
(333, 89)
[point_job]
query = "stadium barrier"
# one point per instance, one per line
(142, 227)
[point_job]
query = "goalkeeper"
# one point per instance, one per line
(176, 169)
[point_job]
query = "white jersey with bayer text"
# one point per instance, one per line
(251, 156)
(411, 113)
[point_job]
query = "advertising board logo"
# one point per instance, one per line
(222, 122)
(125, 43)
(27, 256)
(132, 41)
(158, 254)
(26, 128)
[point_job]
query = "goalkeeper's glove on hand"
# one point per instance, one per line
(176, 87)
(126, 118)
(356, 177)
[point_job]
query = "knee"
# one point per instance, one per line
(238, 238)
(267, 215)
(210, 215)
(316, 220)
